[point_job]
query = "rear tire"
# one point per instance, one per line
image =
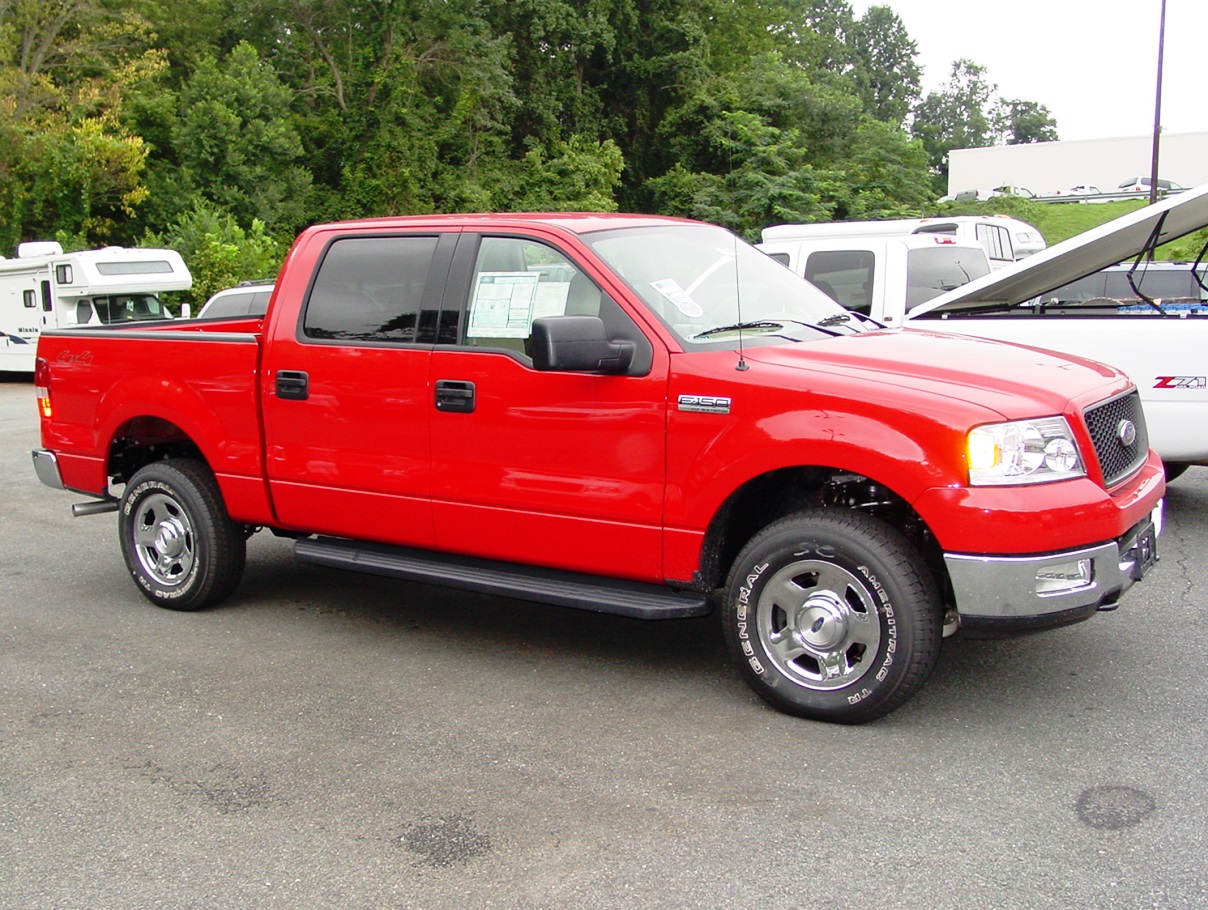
(832, 615)
(179, 543)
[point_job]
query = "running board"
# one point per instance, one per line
(551, 586)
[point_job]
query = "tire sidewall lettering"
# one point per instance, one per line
(742, 609)
(746, 597)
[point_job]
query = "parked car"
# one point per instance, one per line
(1081, 189)
(1141, 185)
(881, 277)
(1021, 191)
(1005, 240)
(248, 299)
(1174, 286)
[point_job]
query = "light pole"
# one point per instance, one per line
(1157, 112)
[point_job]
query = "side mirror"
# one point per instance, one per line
(578, 344)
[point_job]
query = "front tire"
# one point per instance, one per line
(181, 547)
(832, 615)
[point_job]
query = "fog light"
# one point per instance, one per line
(1064, 576)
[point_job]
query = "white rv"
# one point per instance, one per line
(1005, 240)
(44, 288)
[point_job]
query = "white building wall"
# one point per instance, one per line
(1044, 167)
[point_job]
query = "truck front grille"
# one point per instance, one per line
(1120, 450)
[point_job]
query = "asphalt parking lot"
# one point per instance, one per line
(325, 740)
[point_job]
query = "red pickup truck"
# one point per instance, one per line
(628, 414)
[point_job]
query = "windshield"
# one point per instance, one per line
(714, 290)
(129, 307)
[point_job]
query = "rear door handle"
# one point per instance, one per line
(293, 385)
(455, 396)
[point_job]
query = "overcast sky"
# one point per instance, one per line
(1093, 64)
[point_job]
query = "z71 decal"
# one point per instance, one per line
(1181, 382)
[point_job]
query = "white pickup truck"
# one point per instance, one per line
(1161, 344)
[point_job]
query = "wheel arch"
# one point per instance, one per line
(149, 417)
(141, 440)
(770, 496)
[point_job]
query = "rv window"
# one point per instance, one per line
(29, 299)
(146, 267)
(63, 274)
(128, 307)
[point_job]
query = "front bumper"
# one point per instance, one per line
(1012, 594)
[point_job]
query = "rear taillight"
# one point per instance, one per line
(42, 387)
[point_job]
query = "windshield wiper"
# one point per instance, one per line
(739, 327)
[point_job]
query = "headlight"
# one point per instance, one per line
(1023, 451)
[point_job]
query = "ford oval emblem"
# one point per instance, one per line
(1126, 432)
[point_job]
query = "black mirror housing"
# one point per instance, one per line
(578, 344)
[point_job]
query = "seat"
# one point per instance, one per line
(582, 296)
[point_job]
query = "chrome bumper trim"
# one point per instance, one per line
(1001, 590)
(46, 466)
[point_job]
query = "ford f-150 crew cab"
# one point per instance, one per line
(629, 414)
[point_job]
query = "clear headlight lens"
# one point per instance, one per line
(1023, 451)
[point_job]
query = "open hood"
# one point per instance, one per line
(1118, 240)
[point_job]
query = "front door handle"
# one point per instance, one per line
(455, 396)
(293, 385)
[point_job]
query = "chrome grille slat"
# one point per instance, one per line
(1117, 457)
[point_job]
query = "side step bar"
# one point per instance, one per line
(551, 586)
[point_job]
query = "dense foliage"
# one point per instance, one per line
(220, 127)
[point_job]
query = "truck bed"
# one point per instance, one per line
(204, 378)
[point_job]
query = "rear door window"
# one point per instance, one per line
(369, 289)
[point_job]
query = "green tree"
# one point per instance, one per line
(236, 143)
(218, 251)
(886, 175)
(1018, 122)
(956, 116)
(68, 166)
(767, 180)
(887, 71)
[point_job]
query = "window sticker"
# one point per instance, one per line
(502, 306)
(670, 289)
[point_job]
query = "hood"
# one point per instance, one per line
(1011, 380)
(1120, 239)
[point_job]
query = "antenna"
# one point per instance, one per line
(741, 366)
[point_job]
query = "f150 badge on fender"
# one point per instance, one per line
(706, 404)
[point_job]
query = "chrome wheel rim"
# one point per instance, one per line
(164, 540)
(818, 624)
